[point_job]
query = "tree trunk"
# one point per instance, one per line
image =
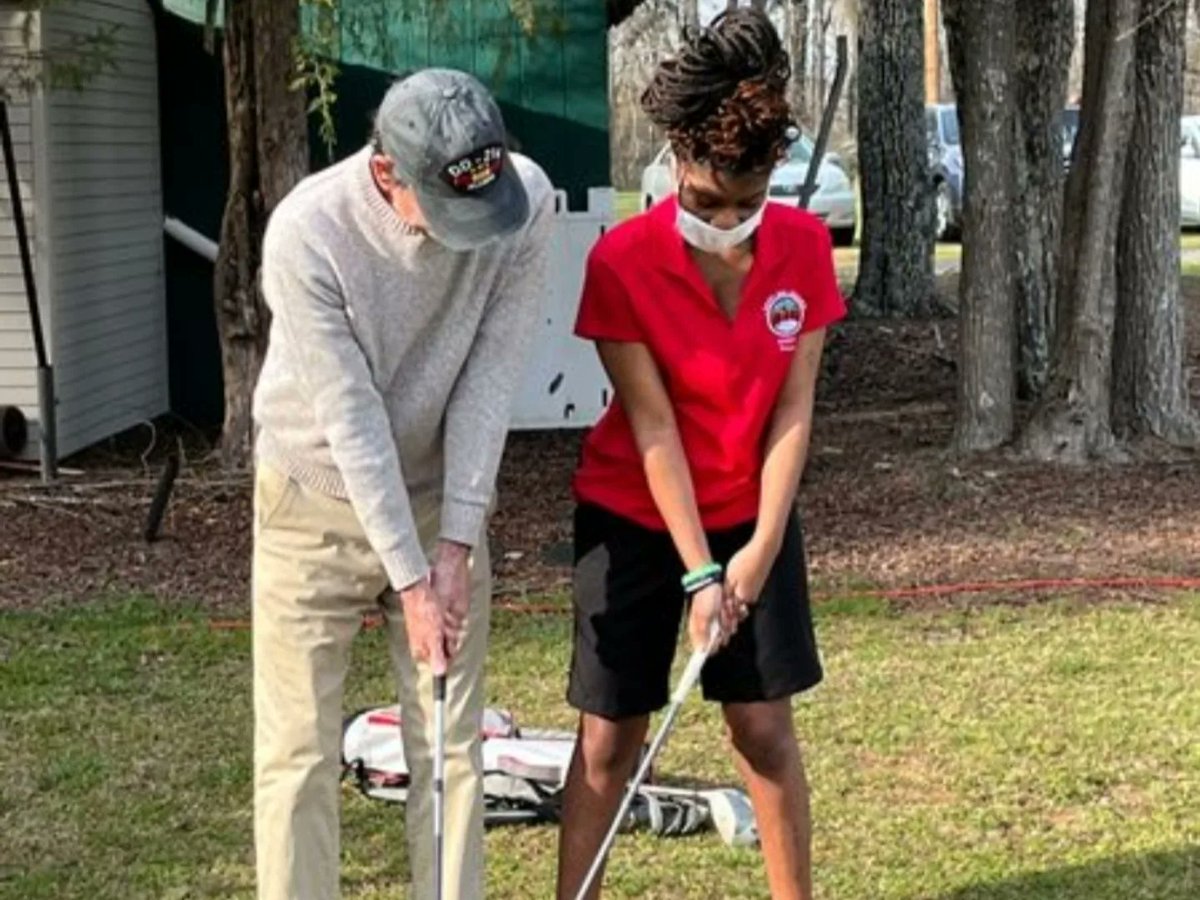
(1071, 423)
(1150, 394)
(796, 34)
(851, 95)
(933, 56)
(982, 37)
(689, 13)
(820, 31)
(282, 127)
(1043, 60)
(268, 154)
(896, 263)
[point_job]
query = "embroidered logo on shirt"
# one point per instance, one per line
(476, 171)
(785, 317)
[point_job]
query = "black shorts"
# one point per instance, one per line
(629, 607)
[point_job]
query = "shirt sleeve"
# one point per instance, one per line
(478, 415)
(825, 303)
(305, 296)
(605, 309)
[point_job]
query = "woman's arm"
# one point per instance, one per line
(784, 455)
(644, 397)
(786, 449)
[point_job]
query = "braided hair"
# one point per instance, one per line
(722, 100)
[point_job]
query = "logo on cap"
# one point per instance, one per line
(475, 171)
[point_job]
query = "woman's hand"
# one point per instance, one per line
(708, 605)
(746, 575)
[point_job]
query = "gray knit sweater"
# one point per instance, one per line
(393, 361)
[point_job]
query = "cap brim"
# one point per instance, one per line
(464, 222)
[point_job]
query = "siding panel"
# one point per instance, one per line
(19, 32)
(106, 230)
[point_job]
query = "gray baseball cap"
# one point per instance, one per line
(444, 132)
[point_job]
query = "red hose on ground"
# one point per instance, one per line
(1025, 586)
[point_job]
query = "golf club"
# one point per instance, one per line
(691, 674)
(729, 810)
(439, 783)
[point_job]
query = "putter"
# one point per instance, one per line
(691, 674)
(439, 783)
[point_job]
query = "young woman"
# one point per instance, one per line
(709, 313)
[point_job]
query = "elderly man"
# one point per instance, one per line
(404, 284)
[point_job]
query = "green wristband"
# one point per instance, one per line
(696, 587)
(709, 570)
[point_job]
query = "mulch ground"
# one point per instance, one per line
(884, 505)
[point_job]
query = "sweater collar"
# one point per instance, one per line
(387, 218)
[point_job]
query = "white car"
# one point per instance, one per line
(834, 201)
(1189, 173)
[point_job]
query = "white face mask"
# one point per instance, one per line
(711, 239)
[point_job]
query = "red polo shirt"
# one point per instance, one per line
(723, 375)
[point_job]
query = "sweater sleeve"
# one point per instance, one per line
(477, 417)
(301, 287)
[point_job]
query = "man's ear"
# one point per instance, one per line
(384, 171)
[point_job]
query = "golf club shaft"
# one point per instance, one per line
(439, 783)
(686, 682)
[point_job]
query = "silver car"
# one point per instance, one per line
(1189, 173)
(834, 201)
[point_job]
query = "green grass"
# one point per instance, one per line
(988, 754)
(629, 204)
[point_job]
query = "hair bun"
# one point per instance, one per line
(721, 99)
(747, 46)
(740, 45)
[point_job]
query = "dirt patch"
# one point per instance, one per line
(883, 504)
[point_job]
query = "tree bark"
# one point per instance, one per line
(1150, 394)
(796, 28)
(282, 143)
(1072, 422)
(268, 154)
(819, 31)
(1042, 65)
(982, 38)
(689, 13)
(635, 47)
(896, 262)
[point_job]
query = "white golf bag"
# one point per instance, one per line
(524, 772)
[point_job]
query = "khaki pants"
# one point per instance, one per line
(314, 577)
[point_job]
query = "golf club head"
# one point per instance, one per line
(733, 817)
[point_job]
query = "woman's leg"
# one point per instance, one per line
(605, 754)
(768, 757)
(628, 604)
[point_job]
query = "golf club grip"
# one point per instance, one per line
(439, 784)
(691, 674)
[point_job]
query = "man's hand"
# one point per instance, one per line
(425, 622)
(451, 578)
(746, 575)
